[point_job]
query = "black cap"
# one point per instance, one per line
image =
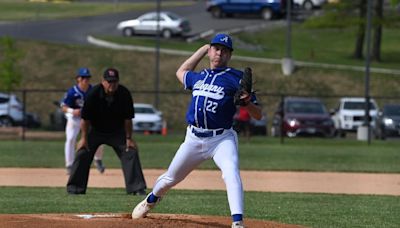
(111, 75)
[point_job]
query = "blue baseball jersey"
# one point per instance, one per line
(75, 97)
(212, 104)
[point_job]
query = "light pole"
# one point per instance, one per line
(115, 4)
(157, 68)
(287, 62)
(367, 72)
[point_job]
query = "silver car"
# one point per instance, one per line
(11, 110)
(170, 24)
(147, 119)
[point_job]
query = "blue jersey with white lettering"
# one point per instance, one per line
(75, 97)
(212, 104)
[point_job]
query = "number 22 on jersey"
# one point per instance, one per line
(211, 106)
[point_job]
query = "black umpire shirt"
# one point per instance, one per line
(107, 114)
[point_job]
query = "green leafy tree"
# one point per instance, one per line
(377, 39)
(359, 45)
(10, 77)
(353, 13)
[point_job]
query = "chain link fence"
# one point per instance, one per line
(44, 106)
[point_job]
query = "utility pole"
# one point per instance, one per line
(157, 68)
(115, 5)
(287, 62)
(367, 72)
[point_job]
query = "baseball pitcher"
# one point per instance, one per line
(216, 92)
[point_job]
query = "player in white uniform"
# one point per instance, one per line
(209, 134)
(71, 106)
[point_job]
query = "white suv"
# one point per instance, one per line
(350, 113)
(11, 110)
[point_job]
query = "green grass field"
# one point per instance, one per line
(261, 153)
(312, 210)
(306, 154)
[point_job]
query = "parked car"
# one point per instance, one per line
(298, 116)
(257, 127)
(147, 118)
(387, 122)
(310, 4)
(11, 110)
(12, 113)
(170, 24)
(350, 114)
(32, 120)
(57, 118)
(267, 9)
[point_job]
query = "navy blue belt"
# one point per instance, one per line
(206, 134)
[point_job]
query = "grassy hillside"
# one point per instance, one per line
(328, 45)
(23, 10)
(47, 66)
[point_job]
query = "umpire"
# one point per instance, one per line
(107, 119)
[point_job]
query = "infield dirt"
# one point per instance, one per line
(124, 221)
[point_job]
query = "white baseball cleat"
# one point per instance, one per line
(142, 209)
(238, 224)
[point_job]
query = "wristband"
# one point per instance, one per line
(70, 110)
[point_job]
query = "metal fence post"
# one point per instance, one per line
(25, 121)
(282, 114)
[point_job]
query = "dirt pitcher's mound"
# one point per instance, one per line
(124, 220)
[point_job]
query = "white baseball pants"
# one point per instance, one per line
(71, 132)
(193, 151)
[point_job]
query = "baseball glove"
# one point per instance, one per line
(246, 84)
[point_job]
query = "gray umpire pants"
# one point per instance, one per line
(131, 167)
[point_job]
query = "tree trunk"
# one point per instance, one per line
(358, 50)
(377, 39)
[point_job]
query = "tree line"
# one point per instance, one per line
(353, 13)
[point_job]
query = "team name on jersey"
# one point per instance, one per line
(208, 90)
(79, 101)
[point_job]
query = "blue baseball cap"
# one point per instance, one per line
(83, 72)
(223, 39)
